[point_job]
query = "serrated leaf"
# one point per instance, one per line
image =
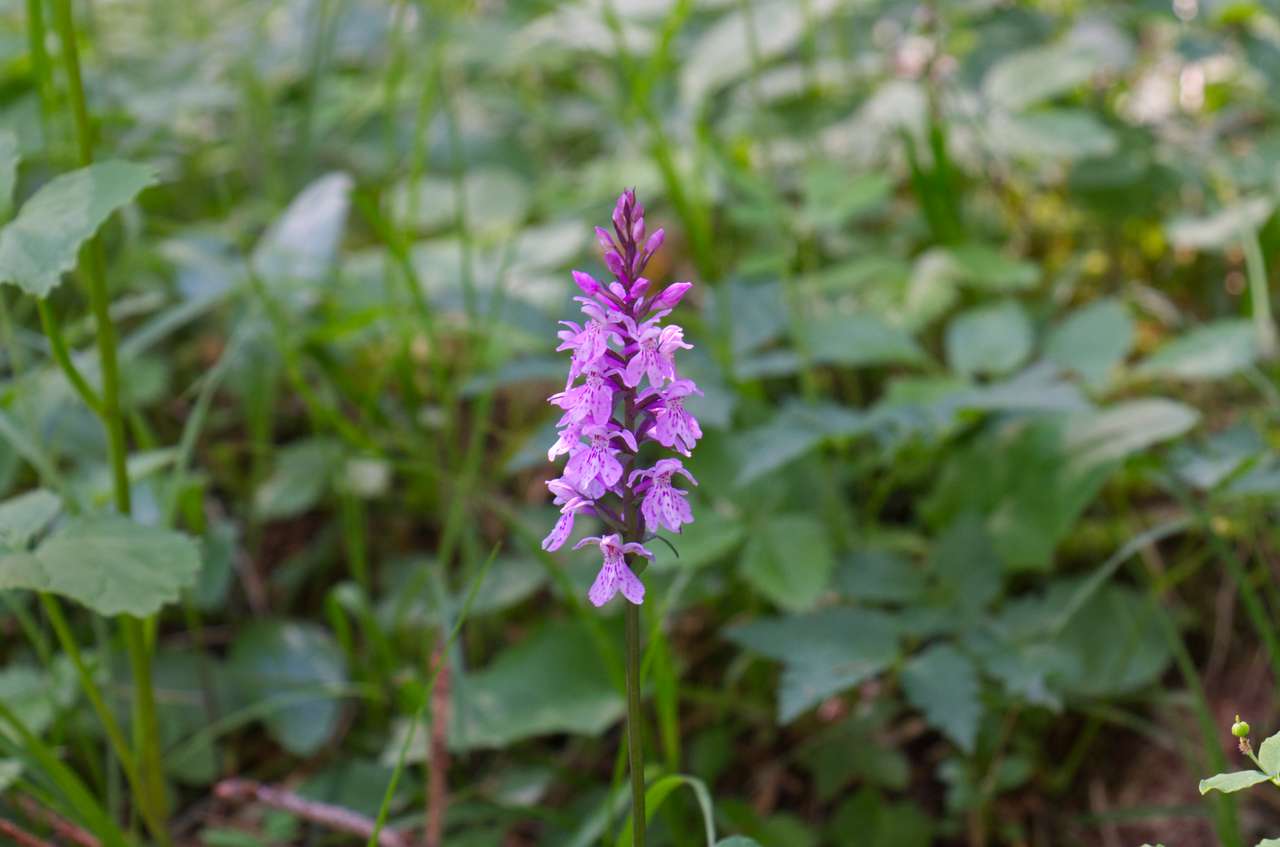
(274, 659)
(941, 682)
(1228, 783)
(989, 340)
(1269, 754)
(1211, 351)
(110, 564)
(42, 242)
(789, 561)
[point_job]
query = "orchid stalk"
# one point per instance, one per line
(623, 397)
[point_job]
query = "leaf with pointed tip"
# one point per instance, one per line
(942, 683)
(42, 242)
(1228, 783)
(1269, 754)
(24, 517)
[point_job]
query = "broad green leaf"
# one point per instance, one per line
(1125, 428)
(880, 576)
(24, 517)
(9, 156)
(710, 537)
(794, 431)
(10, 770)
(984, 268)
(1211, 351)
(859, 340)
(737, 841)
(27, 692)
(942, 683)
(1222, 228)
(1229, 783)
(1092, 341)
(966, 567)
(110, 564)
(789, 560)
(496, 199)
(1116, 639)
(822, 652)
(657, 793)
(303, 243)
(42, 242)
(989, 339)
(1041, 73)
(296, 662)
(1269, 754)
(302, 475)
(1051, 134)
(553, 681)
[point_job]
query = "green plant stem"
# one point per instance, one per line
(62, 355)
(152, 802)
(635, 744)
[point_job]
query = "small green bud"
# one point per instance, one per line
(1240, 729)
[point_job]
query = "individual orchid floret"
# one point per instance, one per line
(673, 425)
(614, 574)
(573, 503)
(589, 341)
(593, 467)
(664, 505)
(655, 353)
(588, 403)
(670, 296)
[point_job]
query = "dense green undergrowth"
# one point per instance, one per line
(985, 522)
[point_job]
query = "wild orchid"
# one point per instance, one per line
(623, 390)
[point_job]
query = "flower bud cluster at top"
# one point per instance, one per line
(623, 390)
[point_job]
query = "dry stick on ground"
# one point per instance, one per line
(334, 817)
(62, 827)
(20, 836)
(438, 759)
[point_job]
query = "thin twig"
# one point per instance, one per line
(438, 760)
(20, 836)
(60, 825)
(336, 818)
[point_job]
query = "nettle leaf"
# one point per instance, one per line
(42, 242)
(823, 652)
(989, 339)
(1211, 351)
(1228, 783)
(789, 560)
(110, 564)
(1269, 754)
(942, 682)
(271, 660)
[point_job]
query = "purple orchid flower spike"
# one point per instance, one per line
(620, 344)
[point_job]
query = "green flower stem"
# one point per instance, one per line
(62, 355)
(151, 799)
(635, 740)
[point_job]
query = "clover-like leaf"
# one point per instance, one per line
(110, 564)
(41, 243)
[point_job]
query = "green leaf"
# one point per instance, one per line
(792, 432)
(1051, 134)
(989, 340)
(1269, 754)
(823, 652)
(27, 692)
(789, 560)
(1222, 228)
(553, 681)
(300, 663)
(880, 576)
(1125, 428)
(709, 538)
(1211, 351)
(737, 841)
(967, 566)
(860, 340)
(301, 476)
(9, 157)
(1092, 341)
(1229, 783)
(984, 268)
(1268, 842)
(942, 683)
(110, 564)
(656, 794)
(24, 517)
(1043, 72)
(42, 242)
(1115, 639)
(302, 244)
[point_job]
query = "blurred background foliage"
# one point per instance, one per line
(983, 550)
